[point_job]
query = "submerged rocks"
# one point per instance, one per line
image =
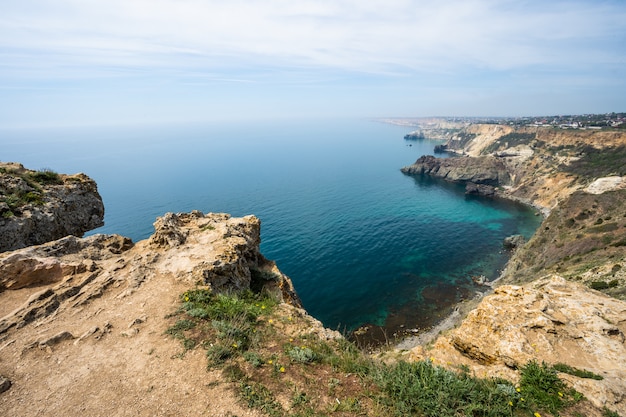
(41, 206)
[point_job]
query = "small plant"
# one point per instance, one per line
(301, 354)
(543, 389)
(253, 359)
(45, 176)
(609, 413)
(258, 396)
(218, 353)
(580, 373)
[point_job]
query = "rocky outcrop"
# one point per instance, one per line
(551, 320)
(213, 250)
(553, 313)
(41, 206)
(83, 321)
(480, 174)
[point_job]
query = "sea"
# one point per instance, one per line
(365, 245)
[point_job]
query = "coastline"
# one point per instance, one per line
(462, 308)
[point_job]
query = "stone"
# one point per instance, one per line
(69, 205)
(5, 384)
(483, 170)
(513, 242)
(550, 320)
(214, 249)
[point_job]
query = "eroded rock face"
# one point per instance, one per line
(38, 207)
(485, 170)
(213, 250)
(551, 320)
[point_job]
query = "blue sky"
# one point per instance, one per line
(84, 62)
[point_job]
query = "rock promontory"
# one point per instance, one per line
(41, 206)
(83, 321)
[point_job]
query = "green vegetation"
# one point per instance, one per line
(543, 389)
(597, 163)
(510, 140)
(580, 373)
(268, 354)
(30, 193)
(45, 176)
(602, 285)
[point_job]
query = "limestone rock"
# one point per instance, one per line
(38, 207)
(550, 320)
(484, 170)
(602, 185)
(513, 242)
(214, 250)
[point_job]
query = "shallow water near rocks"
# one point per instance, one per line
(362, 242)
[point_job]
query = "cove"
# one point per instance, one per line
(362, 242)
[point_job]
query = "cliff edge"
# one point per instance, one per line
(41, 206)
(84, 321)
(560, 299)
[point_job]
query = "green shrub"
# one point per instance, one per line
(257, 395)
(45, 176)
(422, 389)
(580, 373)
(302, 354)
(218, 353)
(543, 389)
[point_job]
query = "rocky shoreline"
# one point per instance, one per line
(77, 313)
(576, 180)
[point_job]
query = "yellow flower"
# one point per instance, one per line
(270, 321)
(518, 389)
(560, 394)
(537, 415)
(282, 369)
(263, 307)
(186, 298)
(521, 399)
(270, 361)
(235, 345)
(511, 403)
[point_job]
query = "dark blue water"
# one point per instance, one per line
(362, 242)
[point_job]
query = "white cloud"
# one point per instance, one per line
(370, 37)
(90, 60)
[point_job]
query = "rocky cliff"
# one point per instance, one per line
(550, 320)
(577, 178)
(83, 320)
(40, 206)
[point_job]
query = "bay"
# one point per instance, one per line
(362, 242)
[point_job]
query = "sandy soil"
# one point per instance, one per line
(128, 367)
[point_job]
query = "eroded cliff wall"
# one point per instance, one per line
(41, 206)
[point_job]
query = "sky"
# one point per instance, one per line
(104, 62)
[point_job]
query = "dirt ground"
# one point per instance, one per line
(127, 367)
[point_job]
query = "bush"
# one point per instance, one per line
(420, 388)
(543, 389)
(580, 373)
(302, 354)
(45, 176)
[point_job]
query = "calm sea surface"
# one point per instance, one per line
(362, 242)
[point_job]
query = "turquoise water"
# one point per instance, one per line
(362, 242)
